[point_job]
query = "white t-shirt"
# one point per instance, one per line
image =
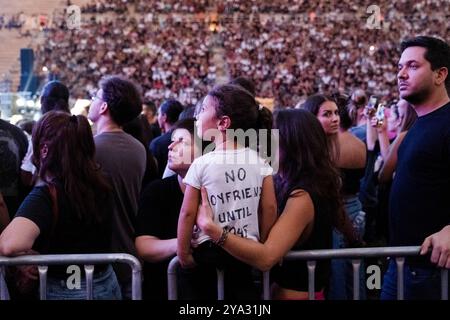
(233, 180)
(27, 164)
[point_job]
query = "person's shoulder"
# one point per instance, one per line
(101, 138)
(40, 190)
(441, 113)
(132, 141)
(15, 132)
(204, 159)
(103, 144)
(349, 136)
(439, 118)
(157, 143)
(446, 110)
(38, 194)
(255, 158)
(159, 186)
(251, 152)
(162, 138)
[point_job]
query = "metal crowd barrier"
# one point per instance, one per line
(399, 253)
(88, 260)
(172, 281)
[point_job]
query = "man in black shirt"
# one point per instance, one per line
(168, 114)
(420, 191)
(159, 208)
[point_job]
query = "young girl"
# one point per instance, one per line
(307, 188)
(239, 184)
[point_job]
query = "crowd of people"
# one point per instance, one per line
(246, 215)
(153, 54)
(173, 6)
(320, 6)
(103, 6)
(145, 6)
(281, 53)
(277, 50)
(11, 22)
(351, 170)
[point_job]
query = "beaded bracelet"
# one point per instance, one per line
(221, 241)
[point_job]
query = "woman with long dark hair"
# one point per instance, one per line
(68, 210)
(309, 205)
(349, 157)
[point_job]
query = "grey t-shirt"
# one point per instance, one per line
(123, 159)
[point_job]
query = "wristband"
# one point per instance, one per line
(221, 241)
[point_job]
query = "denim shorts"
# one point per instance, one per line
(104, 287)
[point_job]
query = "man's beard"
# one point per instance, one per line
(418, 97)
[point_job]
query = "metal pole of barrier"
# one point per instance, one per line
(353, 253)
(356, 263)
(220, 285)
(136, 284)
(172, 279)
(311, 284)
(89, 270)
(43, 282)
(266, 285)
(444, 284)
(67, 259)
(3, 288)
(400, 282)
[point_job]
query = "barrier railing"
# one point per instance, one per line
(172, 281)
(88, 260)
(399, 253)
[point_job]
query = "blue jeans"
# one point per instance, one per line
(105, 287)
(419, 283)
(341, 280)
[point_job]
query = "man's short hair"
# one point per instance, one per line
(123, 98)
(172, 109)
(150, 105)
(245, 83)
(55, 96)
(437, 53)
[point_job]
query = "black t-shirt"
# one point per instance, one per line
(160, 150)
(294, 274)
(13, 147)
(368, 187)
(158, 213)
(351, 180)
(419, 201)
(64, 232)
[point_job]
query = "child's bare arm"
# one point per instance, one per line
(186, 221)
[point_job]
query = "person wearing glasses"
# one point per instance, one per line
(123, 158)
